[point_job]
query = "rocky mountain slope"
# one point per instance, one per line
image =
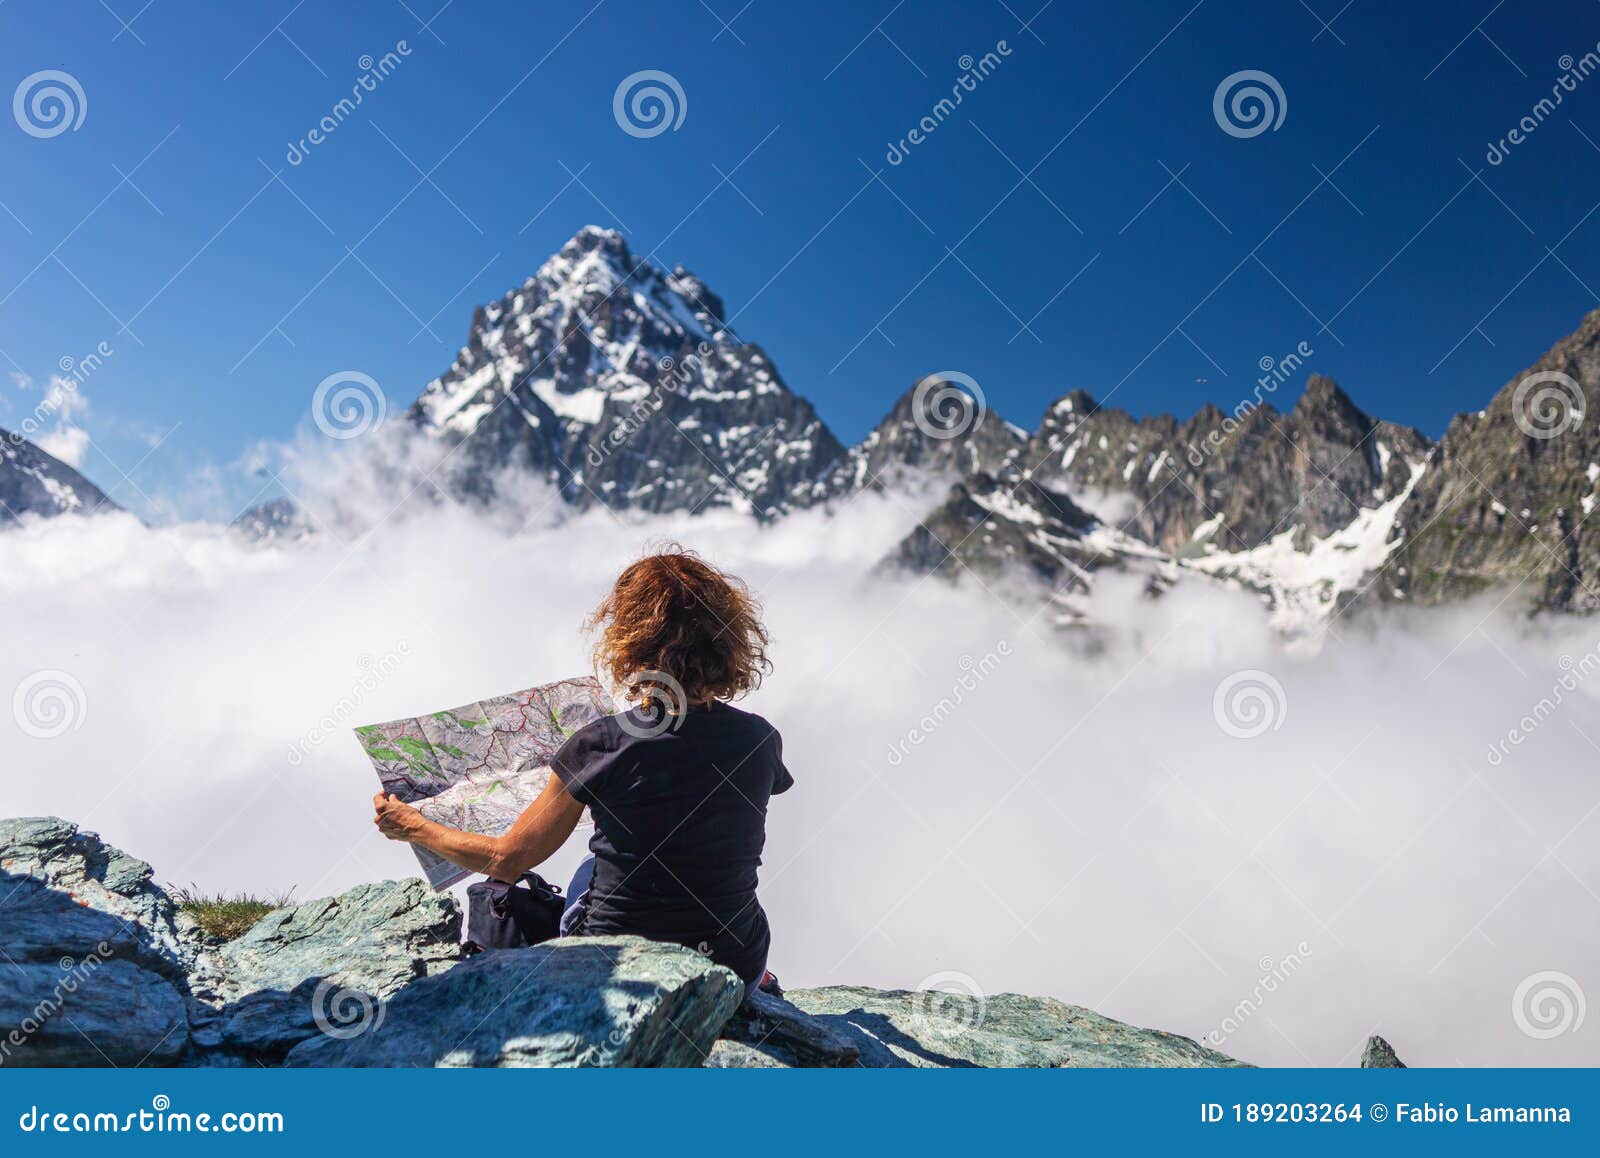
(934, 433)
(33, 482)
(619, 382)
(103, 970)
(1232, 482)
(1506, 502)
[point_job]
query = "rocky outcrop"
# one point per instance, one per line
(934, 1029)
(1380, 1055)
(769, 1032)
(107, 972)
(96, 969)
(600, 1001)
(319, 966)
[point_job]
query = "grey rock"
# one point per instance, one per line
(95, 970)
(73, 891)
(97, 1011)
(589, 1001)
(321, 963)
(1380, 1055)
(768, 1032)
(933, 1029)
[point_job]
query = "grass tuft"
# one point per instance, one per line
(228, 917)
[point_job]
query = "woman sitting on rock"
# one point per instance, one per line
(677, 784)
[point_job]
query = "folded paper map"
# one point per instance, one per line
(477, 767)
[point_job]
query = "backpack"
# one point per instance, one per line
(502, 915)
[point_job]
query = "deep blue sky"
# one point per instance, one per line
(234, 285)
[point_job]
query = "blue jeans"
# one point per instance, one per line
(578, 893)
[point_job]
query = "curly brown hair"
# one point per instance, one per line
(674, 614)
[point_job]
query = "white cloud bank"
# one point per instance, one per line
(1078, 825)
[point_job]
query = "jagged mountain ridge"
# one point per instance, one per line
(35, 482)
(1507, 502)
(620, 383)
(933, 433)
(1233, 481)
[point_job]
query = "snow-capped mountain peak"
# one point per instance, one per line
(34, 482)
(618, 380)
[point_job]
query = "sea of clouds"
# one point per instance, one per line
(980, 803)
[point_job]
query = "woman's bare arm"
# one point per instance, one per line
(542, 828)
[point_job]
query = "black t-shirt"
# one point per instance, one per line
(680, 818)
